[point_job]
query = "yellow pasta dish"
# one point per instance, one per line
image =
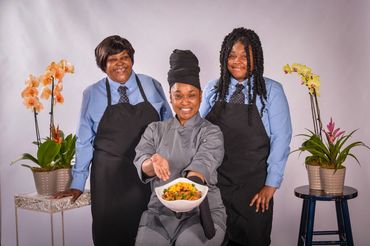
(181, 191)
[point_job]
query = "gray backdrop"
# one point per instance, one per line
(330, 36)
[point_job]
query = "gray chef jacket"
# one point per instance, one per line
(196, 146)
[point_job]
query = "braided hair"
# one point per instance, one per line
(251, 43)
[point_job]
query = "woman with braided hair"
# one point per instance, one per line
(253, 114)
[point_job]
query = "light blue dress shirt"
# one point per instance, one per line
(94, 103)
(276, 120)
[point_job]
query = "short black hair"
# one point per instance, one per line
(250, 40)
(110, 46)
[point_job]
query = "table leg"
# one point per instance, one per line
(303, 224)
(62, 226)
(347, 223)
(52, 229)
(340, 220)
(16, 225)
(311, 221)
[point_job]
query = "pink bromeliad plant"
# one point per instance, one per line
(332, 151)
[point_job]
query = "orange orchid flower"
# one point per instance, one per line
(32, 81)
(47, 78)
(59, 73)
(59, 97)
(38, 107)
(58, 87)
(67, 66)
(45, 94)
(33, 103)
(30, 92)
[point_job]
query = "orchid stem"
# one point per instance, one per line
(52, 107)
(37, 128)
(318, 113)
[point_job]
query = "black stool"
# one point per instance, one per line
(310, 197)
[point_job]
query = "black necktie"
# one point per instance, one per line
(238, 96)
(123, 94)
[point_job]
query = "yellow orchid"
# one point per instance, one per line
(312, 81)
(308, 78)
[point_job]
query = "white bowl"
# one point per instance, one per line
(181, 205)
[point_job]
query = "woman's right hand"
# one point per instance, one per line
(75, 193)
(161, 167)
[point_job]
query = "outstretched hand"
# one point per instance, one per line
(161, 167)
(75, 193)
(262, 198)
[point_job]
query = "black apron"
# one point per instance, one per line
(243, 171)
(118, 197)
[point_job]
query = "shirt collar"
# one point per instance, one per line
(189, 123)
(234, 82)
(130, 83)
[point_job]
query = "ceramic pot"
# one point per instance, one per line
(332, 180)
(314, 179)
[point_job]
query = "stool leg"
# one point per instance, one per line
(347, 223)
(311, 220)
(340, 220)
(303, 225)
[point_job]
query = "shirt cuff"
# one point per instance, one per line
(273, 181)
(145, 179)
(200, 168)
(79, 181)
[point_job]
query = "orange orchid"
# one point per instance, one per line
(59, 98)
(30, 92)
(55, 151)
(47, 78)
(33, 103)
(67, 66)
(32, 81)
(52, 77)
(45, 94)
(59, 73)
(58, 87)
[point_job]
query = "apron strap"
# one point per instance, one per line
(141, 88)
(109, 97)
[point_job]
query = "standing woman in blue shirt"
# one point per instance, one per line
(115, 112)
(253, 114)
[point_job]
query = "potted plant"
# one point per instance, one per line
(312, 82)
(56, 151)
(331, 153)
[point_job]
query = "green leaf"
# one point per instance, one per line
(26, 156)
(47, 153)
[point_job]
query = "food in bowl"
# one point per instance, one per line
(181, 205)
(181, 191)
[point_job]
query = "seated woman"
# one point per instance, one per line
(185, 146)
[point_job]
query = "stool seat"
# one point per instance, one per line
(306, 229)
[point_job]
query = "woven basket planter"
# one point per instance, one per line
(45, 182)
(332, 181)
(63, 179)
(314, 179)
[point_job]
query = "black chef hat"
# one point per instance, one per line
(184, 68)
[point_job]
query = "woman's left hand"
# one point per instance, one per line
(262, 198)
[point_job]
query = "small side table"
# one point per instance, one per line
(306, 230)
(46, 204)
